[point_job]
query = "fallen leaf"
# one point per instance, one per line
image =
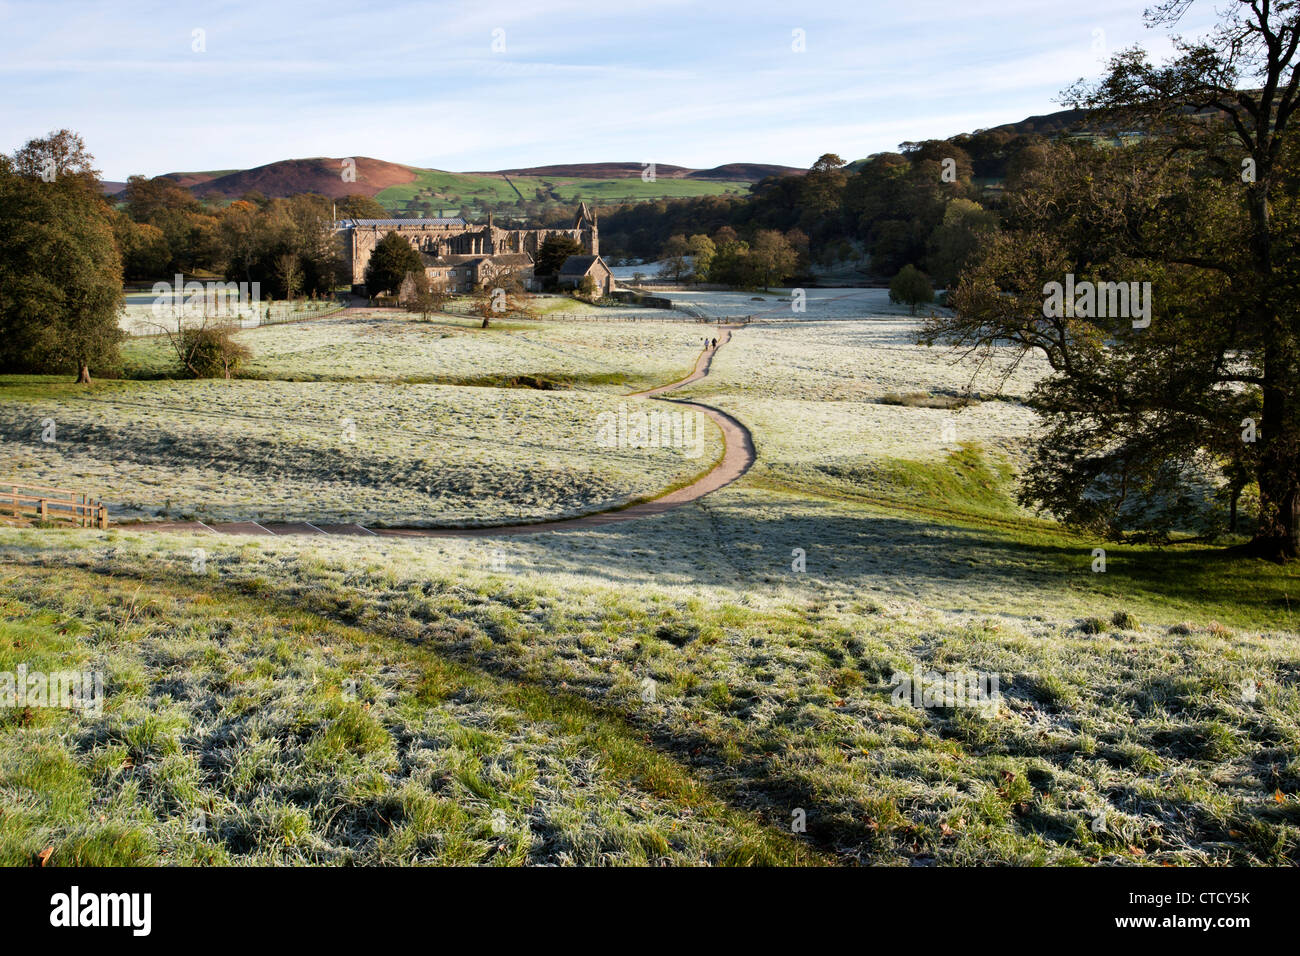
(44, 855)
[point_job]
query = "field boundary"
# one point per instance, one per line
(27, 503)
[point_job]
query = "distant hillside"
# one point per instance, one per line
(731, 172)
(589, 171)
(289, 176)
(990, 160)
(416, 191)
(751, 172)
(1050, 123)
(194, 179)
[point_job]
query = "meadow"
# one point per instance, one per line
(143, 316)
(384, 345)
(454, 191)
(684, 688)
(369, 416)
(405, 455)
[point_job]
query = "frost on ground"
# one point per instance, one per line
(751, 640)
(350, 452)
(237, 731)
(391, 346)
(1125, 743)
(840, 405)
(861, 359)
(148, 315)
(777, 305)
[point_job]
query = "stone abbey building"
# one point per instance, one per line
(459, 255)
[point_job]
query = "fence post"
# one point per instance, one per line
(44, 510)
(103, 518)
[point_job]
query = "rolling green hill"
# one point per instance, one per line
(414, 190)
(451, 191)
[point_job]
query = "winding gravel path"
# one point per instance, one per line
(737, 457)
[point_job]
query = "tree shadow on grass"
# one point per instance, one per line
(743, 543)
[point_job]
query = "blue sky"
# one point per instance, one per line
(666, 81)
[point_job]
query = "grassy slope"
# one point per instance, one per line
(968, 495)
(1129, 745)
(242, 730)
(392, 347)
(1132, 740)
(457, 189)
(247, 450)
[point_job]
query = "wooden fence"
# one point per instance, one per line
(34, 503)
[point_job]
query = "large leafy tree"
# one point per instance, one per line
(60, 269)
(966, 226)
(393, 259)
(59, 157)
(1206, 212)
(773, 257)
(285, 238)
(1245, 72)
(552, 253)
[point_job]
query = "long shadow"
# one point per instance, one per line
(744, 542)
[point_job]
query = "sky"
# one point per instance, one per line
(181, 86)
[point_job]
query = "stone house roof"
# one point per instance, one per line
(578, 265)
(512, 259)
(508, 259)
(457, 260)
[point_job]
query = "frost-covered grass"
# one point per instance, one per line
(238, 730)
(140, 317)
(839, 407)
(713, 672)
(857, 359)
(390, 346)
(1117, 739)
(778, 305)
(385, 454)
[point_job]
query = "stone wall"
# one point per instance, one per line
(439, 239)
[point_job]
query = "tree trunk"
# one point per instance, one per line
(1279, 454)
(1279, 482)
(83, 375)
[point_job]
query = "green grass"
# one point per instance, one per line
(968, 491)
(241, 730)
(759, 712)
(633, 189)
(374, 701)
(451, 191)
(967, 482)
